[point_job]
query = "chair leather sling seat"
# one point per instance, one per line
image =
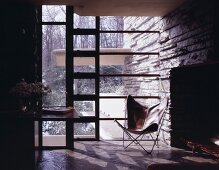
(142, 120)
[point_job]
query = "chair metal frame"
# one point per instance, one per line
(149, 130)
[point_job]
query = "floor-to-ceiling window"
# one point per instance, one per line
(53, 38)
(89, 69)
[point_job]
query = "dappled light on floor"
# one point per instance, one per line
(111, 155)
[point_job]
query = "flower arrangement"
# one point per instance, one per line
(28, 90)
(21, 90)
(29, 94)
(38, 89)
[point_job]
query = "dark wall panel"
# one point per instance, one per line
(194, 103)
(16, 49)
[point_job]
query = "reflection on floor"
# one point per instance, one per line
(110, 155)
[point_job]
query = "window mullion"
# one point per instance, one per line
(69, 54)
(98, 74)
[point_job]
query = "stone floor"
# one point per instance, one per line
(111, 155)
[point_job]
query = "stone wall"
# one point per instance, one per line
(186, 38)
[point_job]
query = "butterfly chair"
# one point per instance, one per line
(143, 120)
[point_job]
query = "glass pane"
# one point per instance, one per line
(84, 64)
(115, 62)
(128, 23)
(84, 86)
(112, 86)
(124, 85)
(110, 69)
(116, 108)
(140, 23)
(36, 133)
(85, 108)
(53, 13)
(112, 108)
(84, 130)
(54, 133)
(84, 42)
(84, 21)
(109, 130)
(111, 23)
(128, 42)
(53, 67)
(111, 40)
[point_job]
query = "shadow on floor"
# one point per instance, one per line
(110, 155)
